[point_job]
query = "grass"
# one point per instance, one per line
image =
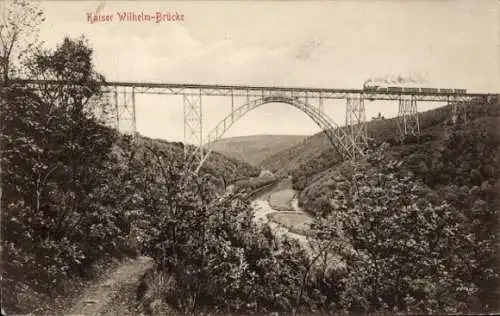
(298, 223)
(282, 200)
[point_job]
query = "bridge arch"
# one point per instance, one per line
(340, 140)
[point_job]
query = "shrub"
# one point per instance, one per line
(405, 249)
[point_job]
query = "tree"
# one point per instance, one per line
(216, 258)
(18, 35)
(60, 198)
(404, 250)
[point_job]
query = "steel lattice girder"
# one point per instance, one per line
(124, 108)
(256, 91)
(334, 94)
(193, 124)
(356, 123)
(408, 116)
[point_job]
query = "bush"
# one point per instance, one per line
(61, 206)
(217, 258)
(407, 250)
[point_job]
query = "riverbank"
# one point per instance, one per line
(288, 220)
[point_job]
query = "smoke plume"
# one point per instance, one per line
(399, 80)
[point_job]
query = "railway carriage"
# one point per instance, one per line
(377, 88)
(395, 89)
(408, 89)
(429, 90)
(448, 91)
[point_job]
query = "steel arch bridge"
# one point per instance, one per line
(349, 141)
(342, 142)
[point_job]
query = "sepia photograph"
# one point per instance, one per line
(270, 158)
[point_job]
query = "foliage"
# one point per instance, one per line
(295, 222)
(228, 170)
(421, 156)
(74, 190)
(315, 155)
(221, 170)
(18, 35)
(60, 209)
(288, 160)
(209, 246)
(405, 248)
(466, 174)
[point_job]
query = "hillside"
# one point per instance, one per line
(254, 149)
(317, 170)
(429, 159)
(406, 194)
(218, 165)
(315, 155)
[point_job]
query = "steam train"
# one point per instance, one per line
(376, 88)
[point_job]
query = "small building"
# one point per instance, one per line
(379, 117)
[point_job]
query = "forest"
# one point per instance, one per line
(411, 228)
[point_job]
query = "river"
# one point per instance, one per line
(261, 211)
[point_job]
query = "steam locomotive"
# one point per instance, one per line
(377, 88)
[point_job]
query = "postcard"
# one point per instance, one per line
(249, 157)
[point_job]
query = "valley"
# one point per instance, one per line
(254, 149)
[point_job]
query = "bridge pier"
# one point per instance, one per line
(355, 122)
(458, 110)
(124, 109)
(408, 116)
(193, 124)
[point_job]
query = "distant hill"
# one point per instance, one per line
(254, 149)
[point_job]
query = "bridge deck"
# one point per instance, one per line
(265, 91)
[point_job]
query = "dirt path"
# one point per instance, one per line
(115, 292)
(100, 298)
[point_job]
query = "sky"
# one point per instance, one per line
(322, 44)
